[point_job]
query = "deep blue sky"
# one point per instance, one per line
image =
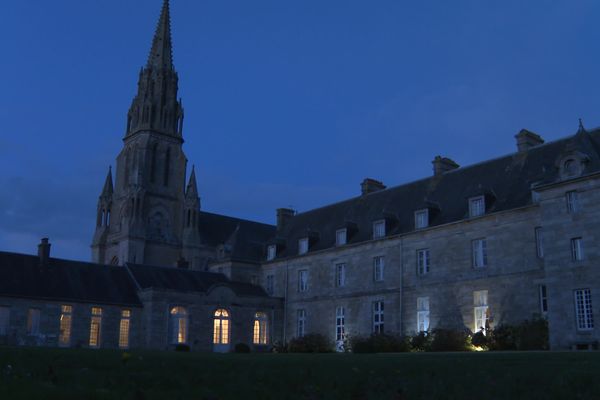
(287, 102)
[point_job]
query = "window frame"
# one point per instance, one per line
(221, 327)
(480, 306)
(95, 338)
(260, 331)
(572, 201)
(65, 325)
(378, 317)
(125, 329)
(270, 284)
(34, 316)
(379, 229)
(340, 323)
(479, 210)
(584, 313)
(378, 268)
(539, 242)
(271, 252)
(303, 246)
(422, 212)
(543, 296)
(178, 324)
(423, 263)
(340, 274)
(577, 253)
(476, 250)
(341, 233)
(302, 280)
(423, 314)
(300, 322)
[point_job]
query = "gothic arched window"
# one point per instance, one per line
(178, 322)
(153, 163)
(261, 325)
(167, 164)
(221, 327)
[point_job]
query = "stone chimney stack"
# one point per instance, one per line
(44, 252)
(283, 216)
(527, 140)
(443, 164)
(370, 185)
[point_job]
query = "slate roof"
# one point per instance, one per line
(506, 182)
(64, 280)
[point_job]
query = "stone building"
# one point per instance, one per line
(502, 241)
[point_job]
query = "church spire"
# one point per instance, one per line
(107, 190)
(161, 53)
(192, 188)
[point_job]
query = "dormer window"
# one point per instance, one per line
(379, 229)
(341, 237)
(271, 252)
(476, 206)
(421, 219)
(303, 246)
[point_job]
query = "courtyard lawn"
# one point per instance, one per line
(35, 373)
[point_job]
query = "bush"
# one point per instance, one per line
(533, 335)
(479, 339)
(241, 348)
(503, 337)
(421, 341)
(279, 347)
(311, 343)
(182, 347)
(380, 343)
(449, 340)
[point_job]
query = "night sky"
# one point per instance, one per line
(288, 103)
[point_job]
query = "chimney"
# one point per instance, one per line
(182, 263)
(443, 164)
(44, 252)
(283, 216)
(527, 140)
(370, 185)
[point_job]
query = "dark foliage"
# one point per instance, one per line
(241, 348)
(182, 347)
(449, 340)
(311, 343)
(421, 341)
(528, 335)
(503, 337)
(380, 343)
(479, 339)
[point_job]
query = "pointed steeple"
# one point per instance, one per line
(107, 190)
(192, 189)
(581, 127)
(161, 53)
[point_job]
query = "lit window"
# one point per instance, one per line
(260, 328)
(300, 322)
(543, 300)
(271, 252)
(124, 329)
(539, 242)
(576, 249)
(476, 206)
(340, 324)
(421, 219)
(95, 327)
(479, 249)
(422, 261)
(303, 280)
(583, 306)
(66, 313)
(303, 246)
(572, 199)
(480, 300)
(378, 265)
(378, 317)
(270, 285)
(33, 321)
(4, 320)
(378, 229)
(340, 275)
(179, 325)
(340, 237)
(221, 327)
(422, 314)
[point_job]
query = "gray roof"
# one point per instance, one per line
(506, 183)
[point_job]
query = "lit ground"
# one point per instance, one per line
(87, 374)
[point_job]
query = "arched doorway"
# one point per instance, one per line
(221, 331)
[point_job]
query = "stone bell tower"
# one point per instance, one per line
(147, 203)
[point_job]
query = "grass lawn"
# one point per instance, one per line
(35, 373)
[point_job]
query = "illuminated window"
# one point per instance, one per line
(583, 308)
(179, 325)
(479, 252)
(300, 322)
(421, 219)
(340, 237)
(480, 301)
(543, 300)
(340, 275)
(260, 328)
(64, 338)
(271, 252)
(378, 264)
(270, 287)
(577, 249)
(539, 242)
(221, 327)
(33, 321)
(422, 261)
(95, 327)
(303, 280)
(378, 229)
(124, 329)
(340, 323)
(378, 320)
(303, 246)
(4, 319)
(572, 201)
(476, 206)
(422, 314)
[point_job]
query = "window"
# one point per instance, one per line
(124, 329)
(4, 320)
(378, 229)
(95, 327)
(340, 275)
(480, 301)
(303, 246)
(479, 248)
(300, 322)
(421, 219)
(378, 264)
(270, 285)
(422, 314)
(378, 317)
(167, 165)
(476, 206)
(33, 321)
(576, 249)
(340, 323)
(271, 252)
(539, 242)
(543, 300)
(340, 237)
(572, 199)
(583, 308)
(221, 327)
(422, 261)
(66, 313)
(260, 328)
(179, 325)
(303, 280)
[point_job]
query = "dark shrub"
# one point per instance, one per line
(311, 343)
(241, 348)
(280, 347)
(449, 340)
(380, 343)
(182, 347)
(479, 339)
(421, 341)
(533, 335)
(503, 337)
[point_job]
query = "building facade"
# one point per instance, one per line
(502, 241)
